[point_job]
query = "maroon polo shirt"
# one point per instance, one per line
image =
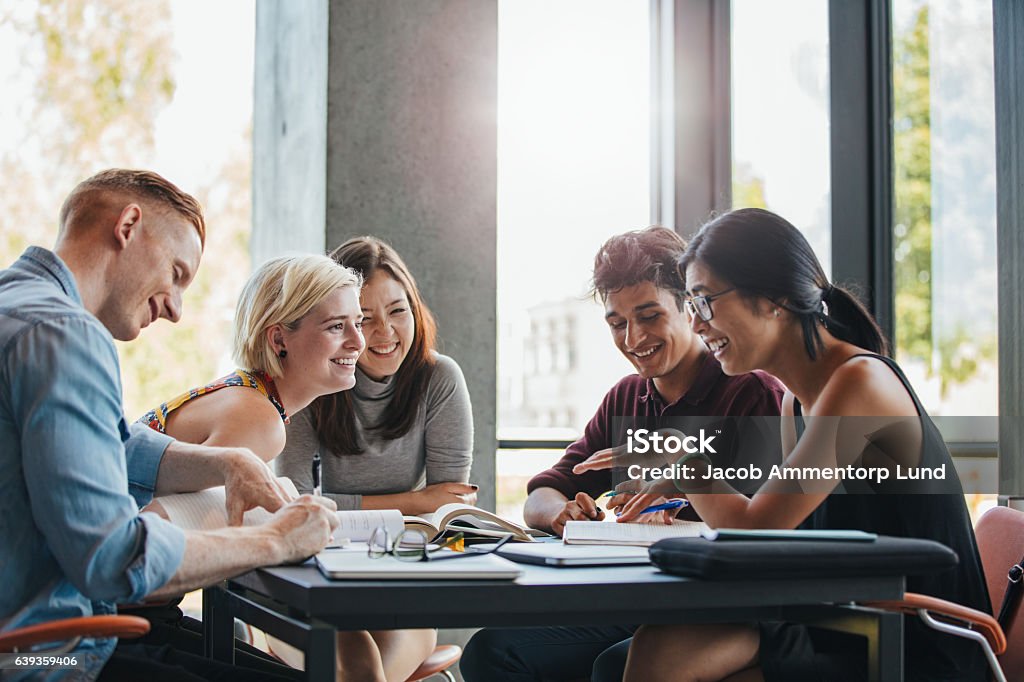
(712, 394)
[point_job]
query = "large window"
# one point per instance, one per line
(172, 94)
(780, 114)
(944, 227)
(944, 231)
(573, 169)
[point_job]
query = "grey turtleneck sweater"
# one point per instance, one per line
(437, 449)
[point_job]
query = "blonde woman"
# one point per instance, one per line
(297, 337)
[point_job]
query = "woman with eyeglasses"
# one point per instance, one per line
(760, 300)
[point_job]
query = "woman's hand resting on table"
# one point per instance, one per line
(433, 496)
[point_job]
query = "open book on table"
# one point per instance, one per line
(638, 534)
(205, 510)
(472, 521)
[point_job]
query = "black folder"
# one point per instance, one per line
(710, 560)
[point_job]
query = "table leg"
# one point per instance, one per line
(218, 626)
(885, 649)
(882, 629)
(320, 653)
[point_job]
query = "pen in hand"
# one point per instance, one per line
(670, 504)
(316, 473)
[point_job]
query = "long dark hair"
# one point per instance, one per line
(333, 416)
(762, 254)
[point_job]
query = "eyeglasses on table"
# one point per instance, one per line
(413, 545)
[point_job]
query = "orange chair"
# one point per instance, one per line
(437, 663)
(1000, 534)
(70, 631)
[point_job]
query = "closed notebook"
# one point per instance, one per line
(354, 564)
(562, 555)
(637, 534)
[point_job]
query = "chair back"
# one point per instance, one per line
(1000, 534)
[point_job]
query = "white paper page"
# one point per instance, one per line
(641, 534)
(444, 509)
(204, 509)
(357, 525)
(471, 516)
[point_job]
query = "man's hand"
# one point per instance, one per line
(630, 512)
(249, 483)
(304, 527)
(295, 532)
(433, 496)
(603, 459)
(580, 508)
(635, 496)
(619, 457)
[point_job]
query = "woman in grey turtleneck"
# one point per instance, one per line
(403, 437)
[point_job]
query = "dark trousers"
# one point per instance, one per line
(556, 654)
(173, 651)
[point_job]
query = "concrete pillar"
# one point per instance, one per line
(289, 179)
(395, 137)
(1008, 20)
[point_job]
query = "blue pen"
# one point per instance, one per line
(671, 504)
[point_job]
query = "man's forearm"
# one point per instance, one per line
(542, 506)
(296, 531)
(212, 556)
(186, 468)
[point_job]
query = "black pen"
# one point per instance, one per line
(316, 473)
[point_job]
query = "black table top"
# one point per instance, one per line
(550, 596)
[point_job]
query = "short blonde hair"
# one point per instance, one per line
(282, 291)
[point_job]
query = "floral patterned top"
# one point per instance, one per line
(156, 419)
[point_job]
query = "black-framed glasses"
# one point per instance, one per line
(413, 545)
(701, 305)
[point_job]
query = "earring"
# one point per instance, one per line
(776, 312)
(282, 354)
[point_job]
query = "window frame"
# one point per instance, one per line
(1008, 44)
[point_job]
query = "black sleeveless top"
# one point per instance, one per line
(938, 514)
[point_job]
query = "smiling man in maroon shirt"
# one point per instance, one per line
(635, 275)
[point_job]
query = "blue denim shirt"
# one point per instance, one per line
(73, 541)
